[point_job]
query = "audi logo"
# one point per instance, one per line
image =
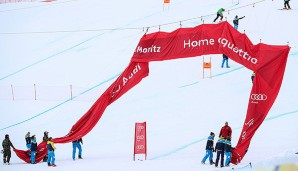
(258, 97)
(140, 147)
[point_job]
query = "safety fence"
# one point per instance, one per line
(44, 93)
(15, 1)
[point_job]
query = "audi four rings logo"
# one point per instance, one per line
(258, 97)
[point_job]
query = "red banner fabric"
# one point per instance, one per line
(140, 145)
(267, 61)
(40, 153)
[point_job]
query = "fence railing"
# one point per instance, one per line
(45, 93)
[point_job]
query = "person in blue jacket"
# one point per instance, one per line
(77, 144)
(225, 59)
(33, 149)
(209, 149)
(220, 148)
(228, 150)
(236, 21)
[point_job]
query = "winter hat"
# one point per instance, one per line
(6, 136)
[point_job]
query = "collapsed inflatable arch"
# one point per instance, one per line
(268, 61)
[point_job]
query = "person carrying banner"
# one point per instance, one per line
(219, 148)
(228, 150)
(28, 140)
(45, 139)
(51, 154)
(253, 76)
(76, 144)
(33, 149)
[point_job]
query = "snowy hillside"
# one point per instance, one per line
(57, 58)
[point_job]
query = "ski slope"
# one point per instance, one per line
(87, 44)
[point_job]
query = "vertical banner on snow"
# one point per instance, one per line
(140, 141)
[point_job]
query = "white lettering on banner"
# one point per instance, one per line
(153, 48)
(243, 135)
(196, 43)
(139, 128)
(125, 79)
(140, 147)
(224, 42)
(249, 123)
(235, 49)
(140, 137)
(134, 71)
(258, 97)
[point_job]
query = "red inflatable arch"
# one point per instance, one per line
(268, 61)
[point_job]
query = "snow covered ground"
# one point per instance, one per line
(87, 44)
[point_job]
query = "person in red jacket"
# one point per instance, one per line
(225, 131)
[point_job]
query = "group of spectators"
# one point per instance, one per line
(223, 147)
(32, 148)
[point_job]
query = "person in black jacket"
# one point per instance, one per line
(209, 149)
(219, 148)
(287, 5)
(45, 139)
(253, 76)
(33, 149)
(28, 140)
(76, 144)
(236, 21)
(6, 144)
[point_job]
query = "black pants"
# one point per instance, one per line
(287, 4)
(6, 156)
(218, 15)
(252, 79)
(221, 155)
